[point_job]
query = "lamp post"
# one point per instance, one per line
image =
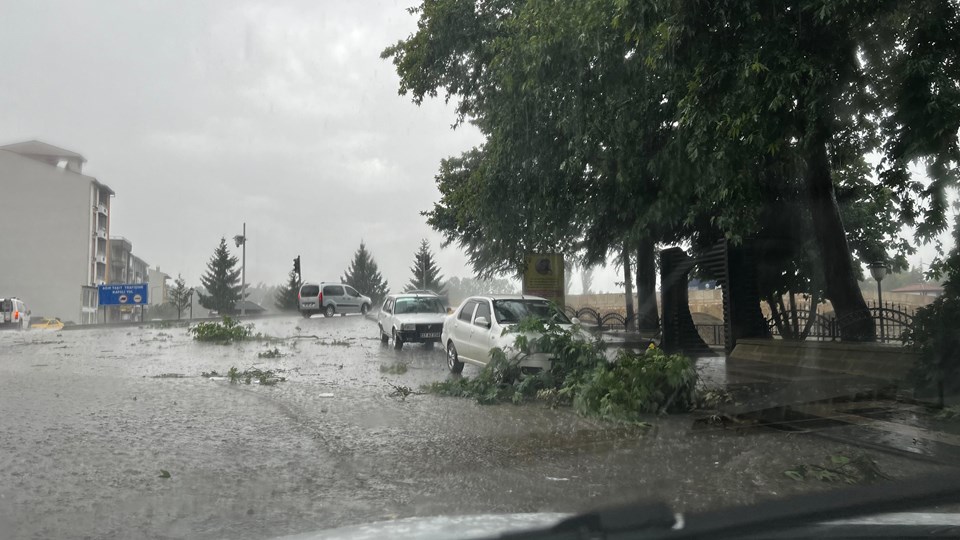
(191, 303)
(241, 240)
(879, 271)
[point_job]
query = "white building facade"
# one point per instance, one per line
(54, 246)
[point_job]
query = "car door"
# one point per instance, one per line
(460, 328)
(481, 339)
(352, 299)
(385, 314)
(333, 294)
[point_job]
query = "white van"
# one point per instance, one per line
(14, 314)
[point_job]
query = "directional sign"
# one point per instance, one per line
(129, 294)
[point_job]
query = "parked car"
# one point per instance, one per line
(14, 314)
(46, 323)
(330, 299)
(478, 325)
(411, 318)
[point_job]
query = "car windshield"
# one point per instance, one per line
(514, 311)
(292, 246)
(418, 305)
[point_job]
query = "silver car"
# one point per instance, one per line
(478, 325)
(411, 318)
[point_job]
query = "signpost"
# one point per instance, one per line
(123, 294)
(543, 276)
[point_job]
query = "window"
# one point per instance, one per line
(310, 290)
(483, 310)
(466, 313)
(333, 290)
(388, 305)
(352, 292)
(513, 311)
(419, 305)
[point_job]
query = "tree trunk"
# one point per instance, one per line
(628, 288)
(647, 318)
(841, 283)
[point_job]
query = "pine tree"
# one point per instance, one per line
(180, 295)
(286, 299)
(426, 273)
(222, 281)
(364, 276)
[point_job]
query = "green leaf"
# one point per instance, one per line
(164, 474)
(795, 475)
(839, 460)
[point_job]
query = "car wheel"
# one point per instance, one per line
(384, 338)
(329, 311)
(306, 314)
(364, 309)
(453, 361)
(397, 341)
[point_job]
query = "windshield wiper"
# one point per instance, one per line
(780, 518)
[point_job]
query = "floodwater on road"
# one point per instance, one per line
(89, 419)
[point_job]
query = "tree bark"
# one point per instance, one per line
(628, 288)
(647, 318)
(841, 283)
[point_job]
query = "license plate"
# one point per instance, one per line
(430, 335)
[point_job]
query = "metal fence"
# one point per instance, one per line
(891, 321)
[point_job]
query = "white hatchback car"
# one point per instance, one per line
(477, 326)
(411, 318)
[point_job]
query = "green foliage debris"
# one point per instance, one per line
(267, 377)
(624, 390)
(221, 331)
(270, 353)
(838, 468)
(396, 368)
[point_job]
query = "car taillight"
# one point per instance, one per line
(320, 298)
(16, 315)
(298, 295)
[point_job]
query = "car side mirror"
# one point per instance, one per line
(482, 321)
(449, 311)
(575, 320)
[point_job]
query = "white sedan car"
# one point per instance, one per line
(478, 324)
(411, 318)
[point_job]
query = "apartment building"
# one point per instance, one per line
(55, 242)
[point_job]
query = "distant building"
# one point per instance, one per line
(921, 289)
(125, 267)
(56, 228)
(159, 290)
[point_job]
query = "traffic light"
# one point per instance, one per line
(296, 265)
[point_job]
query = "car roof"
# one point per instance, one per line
(414, 295)
(508, 297)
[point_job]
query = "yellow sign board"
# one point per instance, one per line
(543, 276)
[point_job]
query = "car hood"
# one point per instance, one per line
(421, 318)
(437, 527)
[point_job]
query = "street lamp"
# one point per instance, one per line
(191, 303)
(241, 240)
(879, 271)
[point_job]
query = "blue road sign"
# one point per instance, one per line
(127, 294)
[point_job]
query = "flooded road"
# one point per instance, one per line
(91, 420)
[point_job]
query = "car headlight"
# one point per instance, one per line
(408, 326)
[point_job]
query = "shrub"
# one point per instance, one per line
(221, 331)
(936, 337)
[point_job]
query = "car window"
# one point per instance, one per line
(466, 312)
(6, 305)
(513, 311)
(333, 290)
(483, 310)
(352, 292)
(419, 305)
(388, 305)
(310, 290)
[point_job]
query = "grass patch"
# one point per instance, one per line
(169, 376)
(651, 382)
(208, 374)
(839, 468)
(396, 368)
(336, 343)
(267, 377)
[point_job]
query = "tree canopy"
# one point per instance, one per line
(286, 298)
(611, 124)
(426, 273)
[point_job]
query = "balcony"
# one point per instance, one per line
(102, 208)
(101, 233)
(101, 258)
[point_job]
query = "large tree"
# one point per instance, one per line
(426, 273)
(180, 296)
(222, 281)
(286, 297)
(612, 125)
(363, 275)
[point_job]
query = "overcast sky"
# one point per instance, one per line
(203, 115)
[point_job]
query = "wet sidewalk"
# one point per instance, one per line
(855, 409)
